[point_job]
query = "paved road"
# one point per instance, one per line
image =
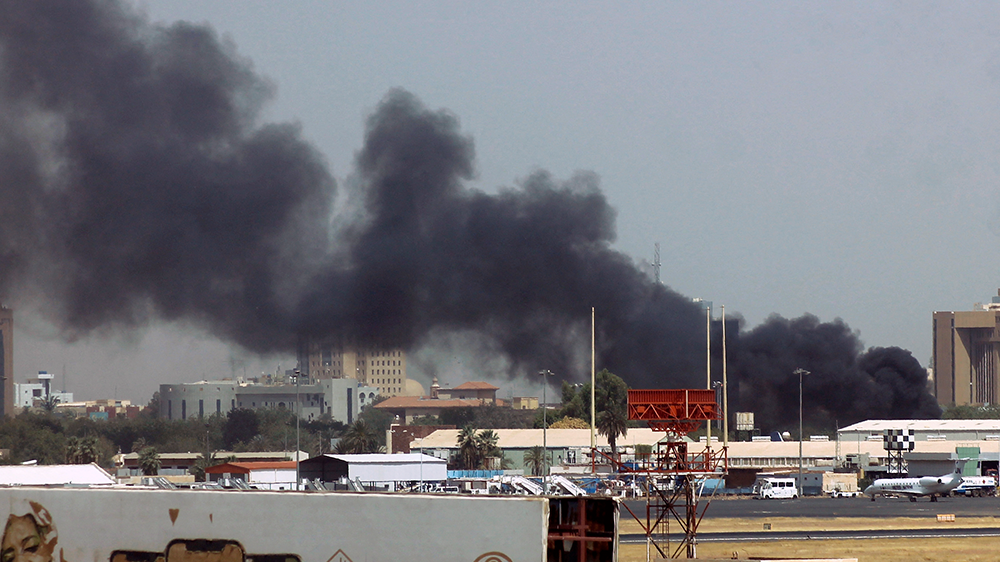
(845, 507)
(951, 532)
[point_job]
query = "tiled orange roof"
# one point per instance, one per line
(426, 402)
(476, 385)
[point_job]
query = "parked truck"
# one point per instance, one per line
(976, 486)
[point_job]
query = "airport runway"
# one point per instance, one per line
(828, 535)
(845, 507)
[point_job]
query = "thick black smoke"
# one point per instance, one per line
(845, 384)
(137, 183)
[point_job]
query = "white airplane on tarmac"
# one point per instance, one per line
(913, 488)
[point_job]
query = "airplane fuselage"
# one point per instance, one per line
(932, 486)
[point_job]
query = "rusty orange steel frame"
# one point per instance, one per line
(679, 412)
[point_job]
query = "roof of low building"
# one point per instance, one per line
(54, 475)
(475, 385)
(878, 426)
(427, 402)
(271, 455)
(380, 458)
(556, 438)
(247, 467)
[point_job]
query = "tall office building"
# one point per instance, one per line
(967, 355)
(7, 360)
(381, 368)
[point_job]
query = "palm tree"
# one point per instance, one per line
(49, 403)
(611, 423)
(534, 458)
(360, 437)
(149, 461)
(486, 448)
(468, 448)
(200, 465)
(82, 450)
(72, 450)
(89, 451)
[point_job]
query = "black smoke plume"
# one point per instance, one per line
(845, 383)
(137, 183)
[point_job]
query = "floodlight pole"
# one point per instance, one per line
(800, 373)
(545, 428)
(298, 414)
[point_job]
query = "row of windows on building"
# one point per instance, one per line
(313, 402)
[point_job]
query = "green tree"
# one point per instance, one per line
(49, 403)
(426, 420)
(361, 437)
(468, 451)
(569, 422)
(611, 400)
(203, 463)
(240, 427)
(643, 452)
(378, 420)
(149, 461)
(72, 450)
(493, 416)
(486, 446)
(534, 459)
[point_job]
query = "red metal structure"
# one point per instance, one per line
(673, 475)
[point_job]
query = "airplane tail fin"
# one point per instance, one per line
(960, 464)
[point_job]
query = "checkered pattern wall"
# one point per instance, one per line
(898, 440)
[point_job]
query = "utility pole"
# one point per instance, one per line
(656, 262)
(800, 373)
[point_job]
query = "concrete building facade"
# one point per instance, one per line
(966, 357)
(384, 369)
(6, 361)
(35, 391)
(343, 399)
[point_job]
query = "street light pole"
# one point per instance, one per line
(545, 429)
(800, 373)
(298, 414)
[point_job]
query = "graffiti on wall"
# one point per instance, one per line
(30, 535)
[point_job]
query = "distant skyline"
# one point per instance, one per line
(838, 159)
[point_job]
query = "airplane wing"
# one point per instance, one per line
(908, 493)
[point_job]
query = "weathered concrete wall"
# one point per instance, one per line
(91, 525)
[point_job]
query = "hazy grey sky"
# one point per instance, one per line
(838, 158)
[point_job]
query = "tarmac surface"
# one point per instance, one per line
(844, 507)
(827, 535)
(821, 507)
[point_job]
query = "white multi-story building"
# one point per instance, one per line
(36, 391)
(343, 399)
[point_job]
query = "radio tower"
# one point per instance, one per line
(656, 263)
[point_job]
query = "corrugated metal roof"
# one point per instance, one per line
(525, 438)
(54, 475)
(384, 458)
(580, 438)
(878, 426)
(246, 467)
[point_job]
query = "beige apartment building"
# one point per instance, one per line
(384, 369)
(967, 355)
(7, 360)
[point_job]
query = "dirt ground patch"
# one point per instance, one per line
(978, 549)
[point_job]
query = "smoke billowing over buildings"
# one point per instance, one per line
(137, 183)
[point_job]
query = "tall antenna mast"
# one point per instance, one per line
(656, 262)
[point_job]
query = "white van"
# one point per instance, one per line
(775, 488)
